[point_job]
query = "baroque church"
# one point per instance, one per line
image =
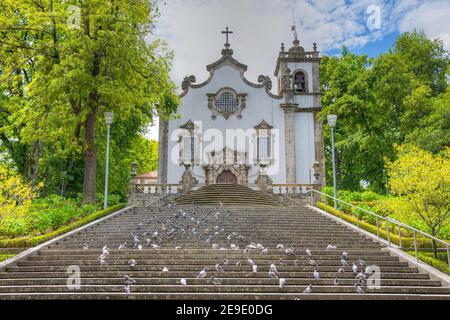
(231, 130)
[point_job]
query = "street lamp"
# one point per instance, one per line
(332, 119)
(109, 116)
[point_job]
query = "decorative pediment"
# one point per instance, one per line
(263, 125)
(188, 126)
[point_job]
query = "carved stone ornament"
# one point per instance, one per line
(226, 102)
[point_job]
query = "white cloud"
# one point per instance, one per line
(432, 17)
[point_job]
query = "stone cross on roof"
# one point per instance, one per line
(227, 32)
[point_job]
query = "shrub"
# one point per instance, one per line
(13, 227)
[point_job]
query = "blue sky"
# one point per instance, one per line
(192, 29)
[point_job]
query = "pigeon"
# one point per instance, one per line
(215, 281)
(359, 289)
(272, 274)
(361, 262)
(202, 273)
(336, 282)
(296, 262)
(264, 251)
(132, 263)
(215, 246)
(140, 247)
(123, 246)
(316, 275)
(280, 246)
(238, 263)
(345, 255)
(273, 267)
(344, 263)
(313, 262)
(128, 280)
(308, 290)
(308, 252)
(289, 251)
(255, 268)
(219, 268)
(126, 288)
(105, 250)
(331, 247)
(341, 270)
(282, 283)
(354, 268)
(183, 282)
(234, 247)
(225, 262)
(85, 246)
(165, 269)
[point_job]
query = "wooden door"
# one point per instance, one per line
(226, 177)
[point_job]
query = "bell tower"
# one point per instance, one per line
(297, 73)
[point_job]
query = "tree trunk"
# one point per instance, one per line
(90, 158)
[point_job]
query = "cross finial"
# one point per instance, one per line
(227, 32)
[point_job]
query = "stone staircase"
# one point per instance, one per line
(227, 194)
(44, 276)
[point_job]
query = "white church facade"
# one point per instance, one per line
(231, 130)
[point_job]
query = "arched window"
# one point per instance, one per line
(300, 82)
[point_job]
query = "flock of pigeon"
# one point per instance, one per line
(208, 226)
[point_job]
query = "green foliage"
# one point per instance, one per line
(4, 257)
(439, 263)
(56, 82)
(33, 241)
(401, 96)
(51, 213)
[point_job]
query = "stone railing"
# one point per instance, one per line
(141, 194)
(298, 191)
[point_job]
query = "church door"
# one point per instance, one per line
(226, 177)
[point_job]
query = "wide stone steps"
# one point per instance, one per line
(227, 194)
(44, 275)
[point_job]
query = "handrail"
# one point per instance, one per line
(398, 223)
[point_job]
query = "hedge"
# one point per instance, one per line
(3, 257)
(34, 241)
(407, 242)
(432, 261)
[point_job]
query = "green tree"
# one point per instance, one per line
(424, 181)
(106, 63)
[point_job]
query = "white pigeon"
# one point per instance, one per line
(219, 268)
(282, 283)
(316, 275)
(132, 263)
(264, 251)
(122, 246)
(155, 246)
(140, 247)
(280, 246)
(215, 246)
(308, 252)
(341, 270)
(289, 251)
(85, 246)
(273, 267)
(308, 290)
(345, 255)
(202, 273)
(238, 263)
(165, 269)
(183, 282)
(331, 247)
(225, 262)
(255, 268)
(234, 247)
(354, 268)
(259, 246)
(312, 262)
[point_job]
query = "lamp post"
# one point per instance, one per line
(332, 124)
(108, 119)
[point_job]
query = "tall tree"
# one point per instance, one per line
(88, 57)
